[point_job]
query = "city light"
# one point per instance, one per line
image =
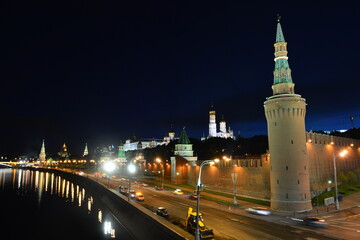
(109, 166)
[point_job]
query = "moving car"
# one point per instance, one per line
(161, 211)
(178, 192)
(314, 222)
(258, 211)
(139, 196)
(158, 188)
(132, 193)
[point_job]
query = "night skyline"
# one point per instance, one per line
(101, 74)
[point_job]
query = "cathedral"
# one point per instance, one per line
(223, 133)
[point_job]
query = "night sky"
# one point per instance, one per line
(99, 73)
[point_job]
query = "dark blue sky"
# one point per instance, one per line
(100, 73)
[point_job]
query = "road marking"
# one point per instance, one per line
(344, 228)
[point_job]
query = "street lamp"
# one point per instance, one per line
(233, 175)
(198, 187)
(341, 154)
(163, 170)
(132, 170)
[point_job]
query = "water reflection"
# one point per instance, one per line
(39, 184)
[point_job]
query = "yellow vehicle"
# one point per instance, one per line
(178, 192)
(191, 225)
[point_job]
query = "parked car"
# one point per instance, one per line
(178, 192)
(258, 211)
(161, 211)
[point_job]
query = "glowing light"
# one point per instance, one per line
(343, 153)
(131, 168)
(109, 166)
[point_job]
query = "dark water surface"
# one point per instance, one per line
(42, 205)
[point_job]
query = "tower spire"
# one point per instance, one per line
(283, 83)
(279, 32)
(42, 155)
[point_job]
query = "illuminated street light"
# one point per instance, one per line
(198, 187)
(163, 170)
(109, 166)
(132, 170)
(342, 154)
(233, 176)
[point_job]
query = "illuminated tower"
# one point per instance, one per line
(171, 134)
(121, 153)
(42, 155)
(212, 122)
(222, 125)
(285, 115)
(86, 151)
(64, 153)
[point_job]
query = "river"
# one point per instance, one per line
(42, 205)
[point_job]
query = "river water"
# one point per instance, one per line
(42, 205)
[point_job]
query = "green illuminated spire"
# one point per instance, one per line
(183, 137)
(283, 83)
(279, 33)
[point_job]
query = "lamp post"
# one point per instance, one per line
(233, 175)
(198, 187)
(132, 170)
(163, 170)
(341, 154)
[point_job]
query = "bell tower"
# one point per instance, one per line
(285, 116)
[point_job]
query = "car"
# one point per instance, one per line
(132, 193)
(314, 222)
(139, 196)
(123, 189)
(158, 188)
(161, 211)
(194, 196)
(178, 192)
(258, 211)
(144, 185)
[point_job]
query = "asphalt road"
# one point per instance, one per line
(226, 223)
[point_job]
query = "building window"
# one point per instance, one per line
(292, 142)
(287, 168)
(305, 167)
(298, 181)
(277, 181)
(305, 195)
(287, 196)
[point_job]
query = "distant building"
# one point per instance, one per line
(64, 154)
(133, 144)
(223, 133)
(42, 155)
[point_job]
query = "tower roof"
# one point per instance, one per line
(183, 137)
(279, 32)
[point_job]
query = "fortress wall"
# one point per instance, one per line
(253, 176)
(321, 148)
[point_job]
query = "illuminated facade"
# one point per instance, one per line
(42, 155)
(285, 115)
(223, 133)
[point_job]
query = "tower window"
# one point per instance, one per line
(277, 181)
(287, 168)
(275, 123)
(287, 196)
(298, 181)
(305, 195)
(292, 142)
(305, 167)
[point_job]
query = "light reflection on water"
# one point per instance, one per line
(44, 185)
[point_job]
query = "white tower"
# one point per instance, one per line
(223, 126)
(212, 122)
(86, 151)
(42, 155)
(285, 115)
